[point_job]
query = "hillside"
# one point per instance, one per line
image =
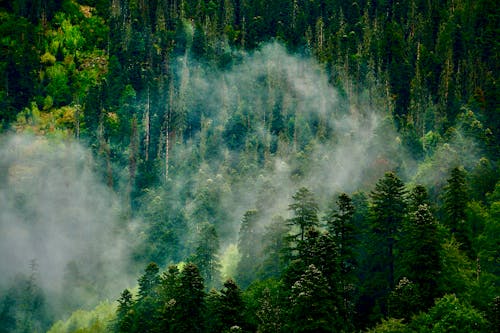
(249, 166)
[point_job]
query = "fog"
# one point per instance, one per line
(55, 211)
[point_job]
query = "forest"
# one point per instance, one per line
(249, 166)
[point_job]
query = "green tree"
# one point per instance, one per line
(340, 224)
(249, 237)
(312, 309)
(305, 211)
(145, 309)
(189, 305)
(387, 210)
(420, 260)
(404, 300)
(125, 313)
(205, 257)
(455, 199)
(226, 309)
(275, 245)
(449, 314)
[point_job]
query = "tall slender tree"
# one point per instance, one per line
(387, 210)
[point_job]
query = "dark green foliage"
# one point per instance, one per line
(205, 256)
(188, 315)
(125, 313)
(455, 199)
(387, 210)
(275, 244)
(126, 78)
(404, 300)
(420, 256)
(312, 309)
(226, 309)
(305, 210)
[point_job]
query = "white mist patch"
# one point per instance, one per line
(55, 210)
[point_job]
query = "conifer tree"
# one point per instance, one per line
(455, 198)
(420, 248)
(387, 210)
(312, 309)
(189, 304)
(205, 257)
(124, 313)
(305, 210)
(247, 247)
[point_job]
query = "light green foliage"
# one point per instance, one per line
(449, 314)
(93, 321)
(229, 261)
(390, 325)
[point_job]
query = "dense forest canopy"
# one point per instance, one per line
(249, 166)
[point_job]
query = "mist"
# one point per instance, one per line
(57, 211)
(59, 223)
(357, 142)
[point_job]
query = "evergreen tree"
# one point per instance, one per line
(189, 305)
(312, 309)
(455, 199)
(226, 309)
(404, 300)
(247, 247)
(145, 313)
(387, 210)
(340, 224)
(305, 210)
(205, 257)
(275, 245)
(420, 259)
(124, 313)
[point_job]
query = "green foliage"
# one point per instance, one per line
(449, 314)
(387, 211)
(455, 198)
(312, 309)
(305, 210)
(126, 78)
(93, 321)
(420, 256)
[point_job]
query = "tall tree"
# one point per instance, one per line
(305, 211)
(387, 210)
(249, 253)
(340, 224)
(455, 199)
(312, 309)
(420, 260)
(205, 257)
(190, 302)
(124, 313)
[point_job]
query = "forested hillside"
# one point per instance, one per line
(249, 166)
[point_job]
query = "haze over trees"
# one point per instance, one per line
(249, 166)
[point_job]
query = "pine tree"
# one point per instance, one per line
(147, 303)
(312, 309)
(305, 210)
(275, 245)
(189, 305)
(387, 210)
(455, 198)
(250, 253)
(124, 313)
(225, 309)
(340, 224)
(205, 257)
(420, 260)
